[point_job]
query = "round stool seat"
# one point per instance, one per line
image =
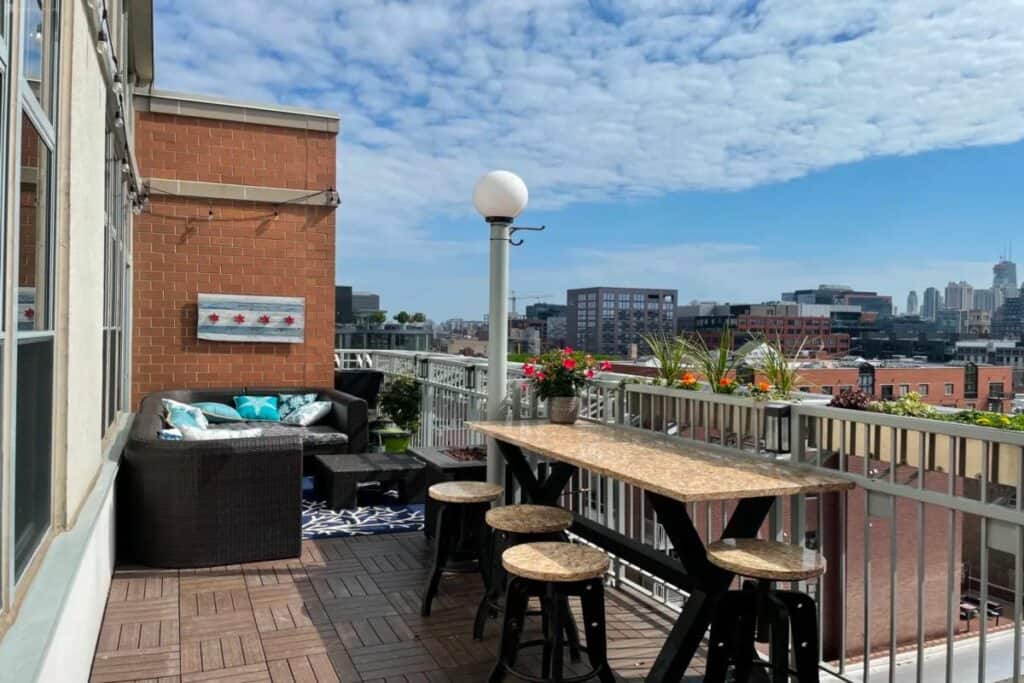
(529, 519)
(770, 560)
(465, 492)
(555, 562)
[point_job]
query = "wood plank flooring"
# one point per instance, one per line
(347, 610)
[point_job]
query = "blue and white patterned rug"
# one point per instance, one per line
(380, 517)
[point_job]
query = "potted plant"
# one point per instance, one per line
(558, 376)
(400, 400)
(716, 365)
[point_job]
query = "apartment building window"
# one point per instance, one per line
(116, 282)
(887, 392)
(31, 115)
(826, 389)
(922, 389)
(970, 381)
(948, 388)
(904, 389)
(995, 389)
(866, 379)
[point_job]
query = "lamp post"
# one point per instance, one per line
(499, 196)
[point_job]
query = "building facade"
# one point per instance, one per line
(911, 303)
(609, 320)
(959, 296)
(241, 201)
(1004, 277)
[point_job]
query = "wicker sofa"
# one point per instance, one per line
(203, 503)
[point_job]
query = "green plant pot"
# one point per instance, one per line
(395, 442)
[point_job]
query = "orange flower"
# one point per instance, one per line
(764, 386)
(724, 382)
(689, 379)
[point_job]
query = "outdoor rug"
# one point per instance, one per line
(377, 514)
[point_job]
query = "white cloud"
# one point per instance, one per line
(599, 101)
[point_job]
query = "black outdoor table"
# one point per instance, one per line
(338, 476)
(673, 473)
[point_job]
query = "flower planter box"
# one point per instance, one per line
(442, 467)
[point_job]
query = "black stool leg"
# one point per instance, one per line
(725, 632)
(572, 632)
(592, 601)
(512, 629)
(779, 636)
(442, 548)
(746, 629)
(555, 635)
(803, 619)
(495, 580)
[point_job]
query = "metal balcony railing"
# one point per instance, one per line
(925, 575)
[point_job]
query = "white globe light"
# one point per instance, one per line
(500, 194)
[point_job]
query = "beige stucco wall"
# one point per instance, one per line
(81, 242)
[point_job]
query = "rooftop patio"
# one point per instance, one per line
(347, 610)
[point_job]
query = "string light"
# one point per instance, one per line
(277, 214)
(118, 120)
(125, 167)
(118, 86)
(209, 216)
(102, 43)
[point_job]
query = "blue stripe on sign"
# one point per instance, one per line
(232, 329)
(236, 305)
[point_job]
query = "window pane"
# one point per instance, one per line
(39, 40)
(32, 461)
(34, 243)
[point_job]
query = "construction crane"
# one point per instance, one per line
(513, 298)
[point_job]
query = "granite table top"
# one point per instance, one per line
(662, 464)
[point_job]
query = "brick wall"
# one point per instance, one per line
(179, 253)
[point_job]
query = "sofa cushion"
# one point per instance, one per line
(309, 414)
(193, 434)
(218, 412)
(183, 415)
(316, 439)
(258, 408)
(289, 403)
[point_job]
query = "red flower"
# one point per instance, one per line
(288, 320)
(239, 318)
(606, 365)
(540, 376)
(264, 318)
(528, 370)
(569, 364)
(567, 351)
(590, 374)
(30, 313)
(213, 317)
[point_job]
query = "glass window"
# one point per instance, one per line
(948, 388)
(904, 389)
(886, 390)
(115, 282)
(922, 389)
(970, 381)
(39, 41)
(995, 389)
(34, 394)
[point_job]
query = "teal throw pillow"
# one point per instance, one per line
(218, 412)
(289, 403)
(258, 408)
(183, 415)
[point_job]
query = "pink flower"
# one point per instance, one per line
(606, 365)
(569, 364)
(590, 374)
(528, 370)
(540, 376)
(567, 351)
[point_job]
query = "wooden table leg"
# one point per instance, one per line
(709, 581)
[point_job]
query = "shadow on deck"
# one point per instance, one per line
(347, 610)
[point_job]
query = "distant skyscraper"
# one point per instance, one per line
(912, 303)
(610, 319)
(985, 299)
(931, 303)
(1004, 277)
(959, 296)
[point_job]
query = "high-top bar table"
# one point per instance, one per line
(673, 472)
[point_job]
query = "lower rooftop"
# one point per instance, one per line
(348, 610)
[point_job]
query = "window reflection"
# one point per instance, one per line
(34, 233)
(39, 40)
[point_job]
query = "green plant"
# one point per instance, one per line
(402, 317)
(910, 405)
(851, 399)
(983, 418)
(714, 364)
(401, 399)
(377, 317)
(779, 371)
(671, 356)
(418, 318)
(561, 372)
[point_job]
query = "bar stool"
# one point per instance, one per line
(513, 525)
(458, 539)
(552, 572)
(763, 614)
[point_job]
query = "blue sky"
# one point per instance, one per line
(730, 149)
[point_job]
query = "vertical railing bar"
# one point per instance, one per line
(1018, 571)
(892, 584)
(842, 582)
(983, 612)
(921, 456)
(867, 586)
(950, 562)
